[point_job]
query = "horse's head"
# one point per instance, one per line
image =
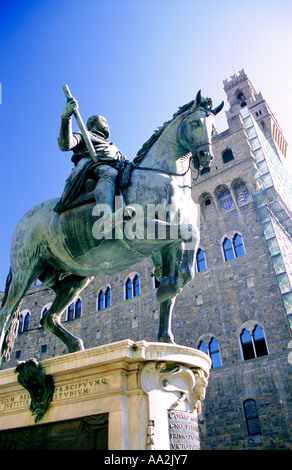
(199, 126)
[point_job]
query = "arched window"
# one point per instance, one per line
(132, 286)
(108, 297)
(253, 343)
(24, 319)
(200, 261)
(74, 310)
(212, 349)
(251, 418)
(227, 156)
(206, 206)
(100, 302)
(233, 248)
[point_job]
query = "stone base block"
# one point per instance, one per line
(121, 396)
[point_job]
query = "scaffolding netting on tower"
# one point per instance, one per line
(273, 197)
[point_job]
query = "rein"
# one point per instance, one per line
(162, 171)
(145, 168)
(194, 158)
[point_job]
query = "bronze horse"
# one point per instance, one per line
(62, 251)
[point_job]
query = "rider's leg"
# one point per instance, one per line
(104, 196)
(106, 185)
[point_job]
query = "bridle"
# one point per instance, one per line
(193, 158)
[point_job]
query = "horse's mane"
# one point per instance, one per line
(144, 149)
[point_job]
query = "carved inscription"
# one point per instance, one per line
(183, 430)
(80, 389)
(10, 403)
(71, 390)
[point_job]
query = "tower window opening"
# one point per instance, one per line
(242, 99)
(227, 156)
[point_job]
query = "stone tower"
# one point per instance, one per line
(239, 305)
(240, 93)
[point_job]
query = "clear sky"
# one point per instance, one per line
(135, 62)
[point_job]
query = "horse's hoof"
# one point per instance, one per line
(76, 346)
(166, 339)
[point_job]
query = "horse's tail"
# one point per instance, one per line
(11, 333)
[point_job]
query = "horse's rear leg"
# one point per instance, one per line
(66, 291)
(16, 286)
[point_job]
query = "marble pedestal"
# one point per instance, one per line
(145, 395)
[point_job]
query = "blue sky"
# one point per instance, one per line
(135, 62)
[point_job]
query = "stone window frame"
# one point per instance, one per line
(103, 289)
(250, 326)
(230, 236)
(23, 314)
(131, 277)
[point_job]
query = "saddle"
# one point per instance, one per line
(85, 195)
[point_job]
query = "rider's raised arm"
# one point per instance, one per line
(67, 140)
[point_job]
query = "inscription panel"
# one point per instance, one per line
(81, 389)
(183, 430)
(70, 390)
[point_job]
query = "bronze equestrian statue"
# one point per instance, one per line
(64, 244)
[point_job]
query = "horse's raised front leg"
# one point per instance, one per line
(66, 291)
